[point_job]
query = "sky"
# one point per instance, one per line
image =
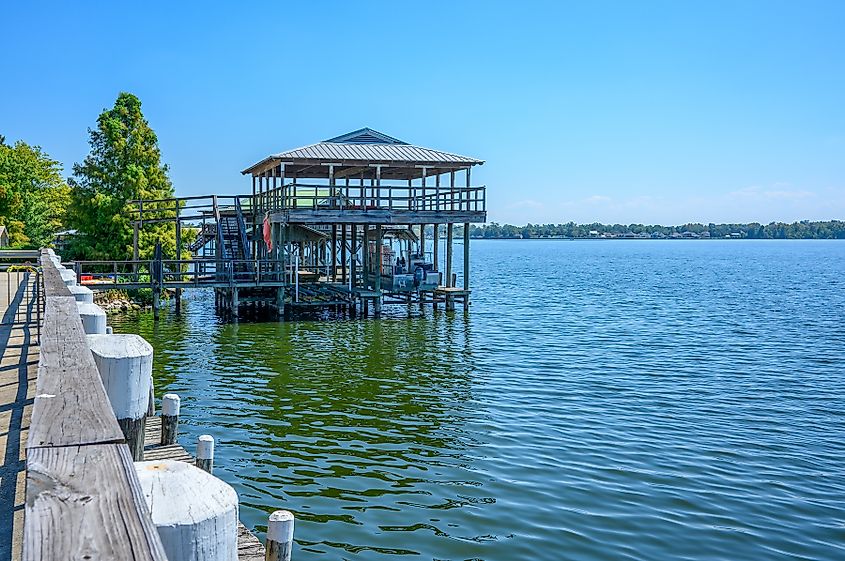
(617, 112)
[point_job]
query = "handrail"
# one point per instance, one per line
(82, 491)
(242, 228)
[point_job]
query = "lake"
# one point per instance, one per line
(601, 400)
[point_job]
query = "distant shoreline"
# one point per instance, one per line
(650, 239)
(802, 230)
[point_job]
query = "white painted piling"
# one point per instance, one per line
(195, 513)
(68, 276)
(170, 405)
(205, 453)
(93, 318)
(125, 363)
(279, 536)
(82, 293)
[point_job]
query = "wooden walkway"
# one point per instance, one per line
(249, 547)
(18, 370)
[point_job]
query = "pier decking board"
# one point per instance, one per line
(18, 370)
(71, 404)
(249, 546)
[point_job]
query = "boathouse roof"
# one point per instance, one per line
(357, 152)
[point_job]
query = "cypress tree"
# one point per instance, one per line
(124, 164)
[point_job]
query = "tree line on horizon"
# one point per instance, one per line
(804, 229)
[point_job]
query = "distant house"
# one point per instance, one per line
(705, 234)
(61, 238)
(594, 233)
(689, 235)
(4, 237)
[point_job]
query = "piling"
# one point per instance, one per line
(170, 405)
(93, 318)
(156, 303)
(82, 293)
(125, 363)
(205, 453)
(68, 276)
(202, 524)
(279, 536)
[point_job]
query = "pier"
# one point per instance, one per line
(340, 223)
(75, 478)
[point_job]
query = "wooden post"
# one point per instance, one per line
(343, 262)
(178, 294)
(279, 536)
(196, 514)
(93, 318)
(422, 241)
(205, 453)
(135, 251)
(170, 405)
(156, 303)
(436, 257)
(253, 207)
(333, 258)
(365, 258)
(235, 301)
(379, 264)
(449, 255)
(466, 265)
(151, 407)
(125, 363)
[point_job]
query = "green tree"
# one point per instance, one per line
(33, 195)
(124, 165)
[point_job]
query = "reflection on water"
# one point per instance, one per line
(606, 400)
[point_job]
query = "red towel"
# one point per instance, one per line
(268, 239)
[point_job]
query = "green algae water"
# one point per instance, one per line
(601, 400)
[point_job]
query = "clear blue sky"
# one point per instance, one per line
(626, 112)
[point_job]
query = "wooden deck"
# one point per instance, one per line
(249, 547)
(18, 370)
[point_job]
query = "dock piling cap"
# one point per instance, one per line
(120, 345)
(179, 494)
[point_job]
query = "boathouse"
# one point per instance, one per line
(371, 197)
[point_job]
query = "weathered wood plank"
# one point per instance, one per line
(53, 283)
(84, 502)
(71, 406)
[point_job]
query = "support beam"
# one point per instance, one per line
(343, 261)
(436, 258)
(449, 255)
(466, 265)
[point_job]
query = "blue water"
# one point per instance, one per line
(601, 400)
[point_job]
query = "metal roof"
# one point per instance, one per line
(367, 146)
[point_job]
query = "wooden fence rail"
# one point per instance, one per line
(83, 498)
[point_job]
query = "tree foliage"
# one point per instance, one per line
(124, 164)
(33, 196)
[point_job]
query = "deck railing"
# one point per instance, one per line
(176, 272)
(83, 498)
(301, 196)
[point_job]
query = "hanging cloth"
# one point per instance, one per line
(268, 239)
